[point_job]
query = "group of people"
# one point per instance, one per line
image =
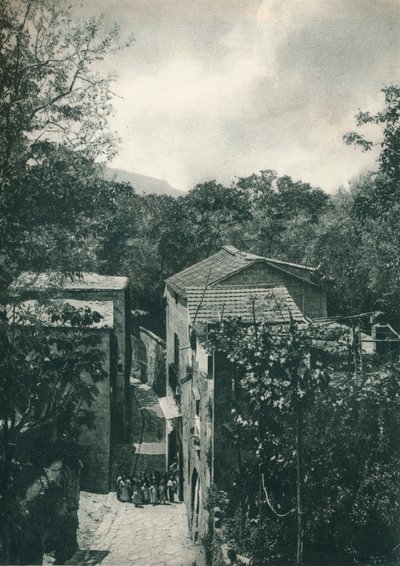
(147, 489)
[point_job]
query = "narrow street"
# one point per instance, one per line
(115, 533)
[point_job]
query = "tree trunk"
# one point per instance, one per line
(239, 456)
(299, 466)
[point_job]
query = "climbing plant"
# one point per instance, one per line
(295, 387)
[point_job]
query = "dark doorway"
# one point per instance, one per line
(171, 447)
(195, 504)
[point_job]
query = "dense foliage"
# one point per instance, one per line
(53, 134)
(50, 366)
(318, 459)
(54, 207)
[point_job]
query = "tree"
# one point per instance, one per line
(389, 121)
(57, 216)
(49, 88)
(48, 383)
(276, 205)
(212, 210)
(375, 205)
(354, 247)
(381, 242)
(337, 249)
(263, 227)
(149, 238)
(319, 457)
(281, 370)
(53, 117)
(53, 134)
(352, 457)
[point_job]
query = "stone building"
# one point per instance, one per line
(199, 385)
(149, 359)
(110, 297)
(96, 440)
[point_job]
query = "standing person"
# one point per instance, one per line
(163, 491)
(145, 492)
(136, 499)
(153, 494)
(171, 485)
(157, 485)
(173, 469)
(124, 489)
(119, 480)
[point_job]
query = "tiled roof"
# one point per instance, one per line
(274, 305)
(34, 312)
(223, 264)
(208, 271)
(54, 280)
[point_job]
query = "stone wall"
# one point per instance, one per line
(197, 399)
(177, 323)
(149, 360)
(193, 436)
(123, 348)
(95, 441)
(310, 299)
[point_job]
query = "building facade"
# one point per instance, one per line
(111, 418)
(201, 385)
(149, 359)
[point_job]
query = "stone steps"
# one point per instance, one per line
(147, 430)
(145, 449)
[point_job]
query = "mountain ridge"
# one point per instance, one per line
(142, 184)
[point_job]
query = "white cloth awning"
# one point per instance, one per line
(196, 393)
(169, 408)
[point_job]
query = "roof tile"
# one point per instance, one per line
(275, 305)
(221, 265)
(56, 280)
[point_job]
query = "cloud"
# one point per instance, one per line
(214, 89)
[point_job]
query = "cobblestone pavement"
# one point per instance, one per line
(125, 535)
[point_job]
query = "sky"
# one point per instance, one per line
(219, 89)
